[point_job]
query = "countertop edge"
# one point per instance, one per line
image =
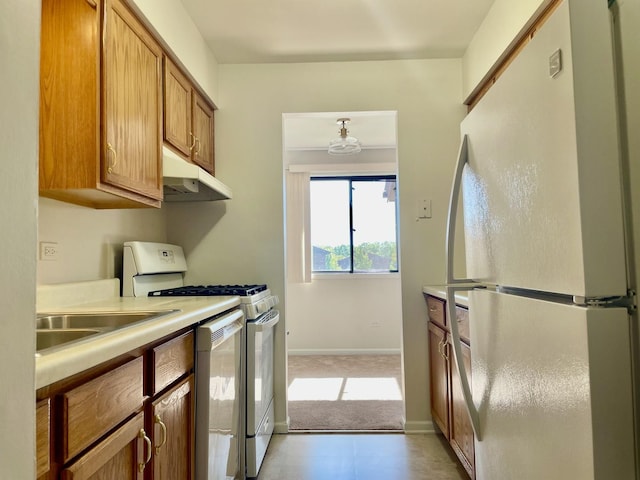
(439, 291)
(75, 358)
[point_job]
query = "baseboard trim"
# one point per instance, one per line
(418, 427)
(281, 427)
(350, 351)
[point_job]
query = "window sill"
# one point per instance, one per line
(351, 276)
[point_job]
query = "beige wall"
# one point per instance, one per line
(171, 21)
(345, 314)
(19, 51)
(247, 241)
(90, 241)
(505, 20)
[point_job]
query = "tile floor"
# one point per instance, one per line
(359, 456)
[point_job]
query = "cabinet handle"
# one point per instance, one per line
(163, 427)
(193, 143)
(198, 147)
(142, 435)
(92, 3)
(115, 157)
(445, 350)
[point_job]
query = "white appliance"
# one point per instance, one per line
(219, 397)
(220, 362)
(157, 270)
(187, 182)
(257, 303)
(552, 384)
(260, 413)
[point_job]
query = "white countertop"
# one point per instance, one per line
(91, 351)
(440, 292)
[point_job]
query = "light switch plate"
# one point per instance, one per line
(424, 208)
(555, 63)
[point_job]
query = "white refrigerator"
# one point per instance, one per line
(552, 384)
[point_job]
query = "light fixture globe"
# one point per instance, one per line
(345, 144)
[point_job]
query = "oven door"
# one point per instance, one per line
(259, 368)
(259, 389)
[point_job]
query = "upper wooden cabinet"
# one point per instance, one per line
(100, 106)
(188, 118)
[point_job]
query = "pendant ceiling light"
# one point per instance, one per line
(344, 145)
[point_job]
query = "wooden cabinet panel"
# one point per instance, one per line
(43, 436)
(448, 408)
(436, 310)
(93, 408)
(173, 433)
(70, 33)
(189, 118)
(100, 106)
(462, 317)
(461, 430)
(177, 109)
(122, 455)
(203, 153)
(132, 104)
(172, 360)
(439, 378)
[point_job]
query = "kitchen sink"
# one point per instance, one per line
(52, 338)
(56, 329)
(94, 320)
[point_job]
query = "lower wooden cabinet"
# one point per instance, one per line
(448, 409)
(123, 454)
(130, 418)
(43, 437)
(171, 423)
(461, 430)
(439, 378)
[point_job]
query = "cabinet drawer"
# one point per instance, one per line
(92, 409)
(462, 316)
(171, 360)
(436, 310)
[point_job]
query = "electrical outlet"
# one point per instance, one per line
(49, 251)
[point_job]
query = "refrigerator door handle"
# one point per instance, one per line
(452, 216)
(451, 289)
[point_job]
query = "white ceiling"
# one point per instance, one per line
(268, 31)
(281, 31)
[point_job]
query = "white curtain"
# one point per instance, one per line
(298, 254)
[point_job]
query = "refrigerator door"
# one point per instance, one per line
(552, 384)
(541, 191)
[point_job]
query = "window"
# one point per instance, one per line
(354, 224)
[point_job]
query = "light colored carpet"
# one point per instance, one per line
(345, 392)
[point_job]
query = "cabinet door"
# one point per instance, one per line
(177, 109)
(121, 455)
(132, 99)
(172, 415)
(461, 430)
(203, 153)
(439, 378)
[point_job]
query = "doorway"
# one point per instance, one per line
(344, 327)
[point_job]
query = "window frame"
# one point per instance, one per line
(351, 178)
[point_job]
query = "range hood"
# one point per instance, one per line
(186, 182)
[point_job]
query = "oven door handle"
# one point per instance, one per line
(262, 326)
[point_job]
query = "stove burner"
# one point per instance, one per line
(209, 291)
